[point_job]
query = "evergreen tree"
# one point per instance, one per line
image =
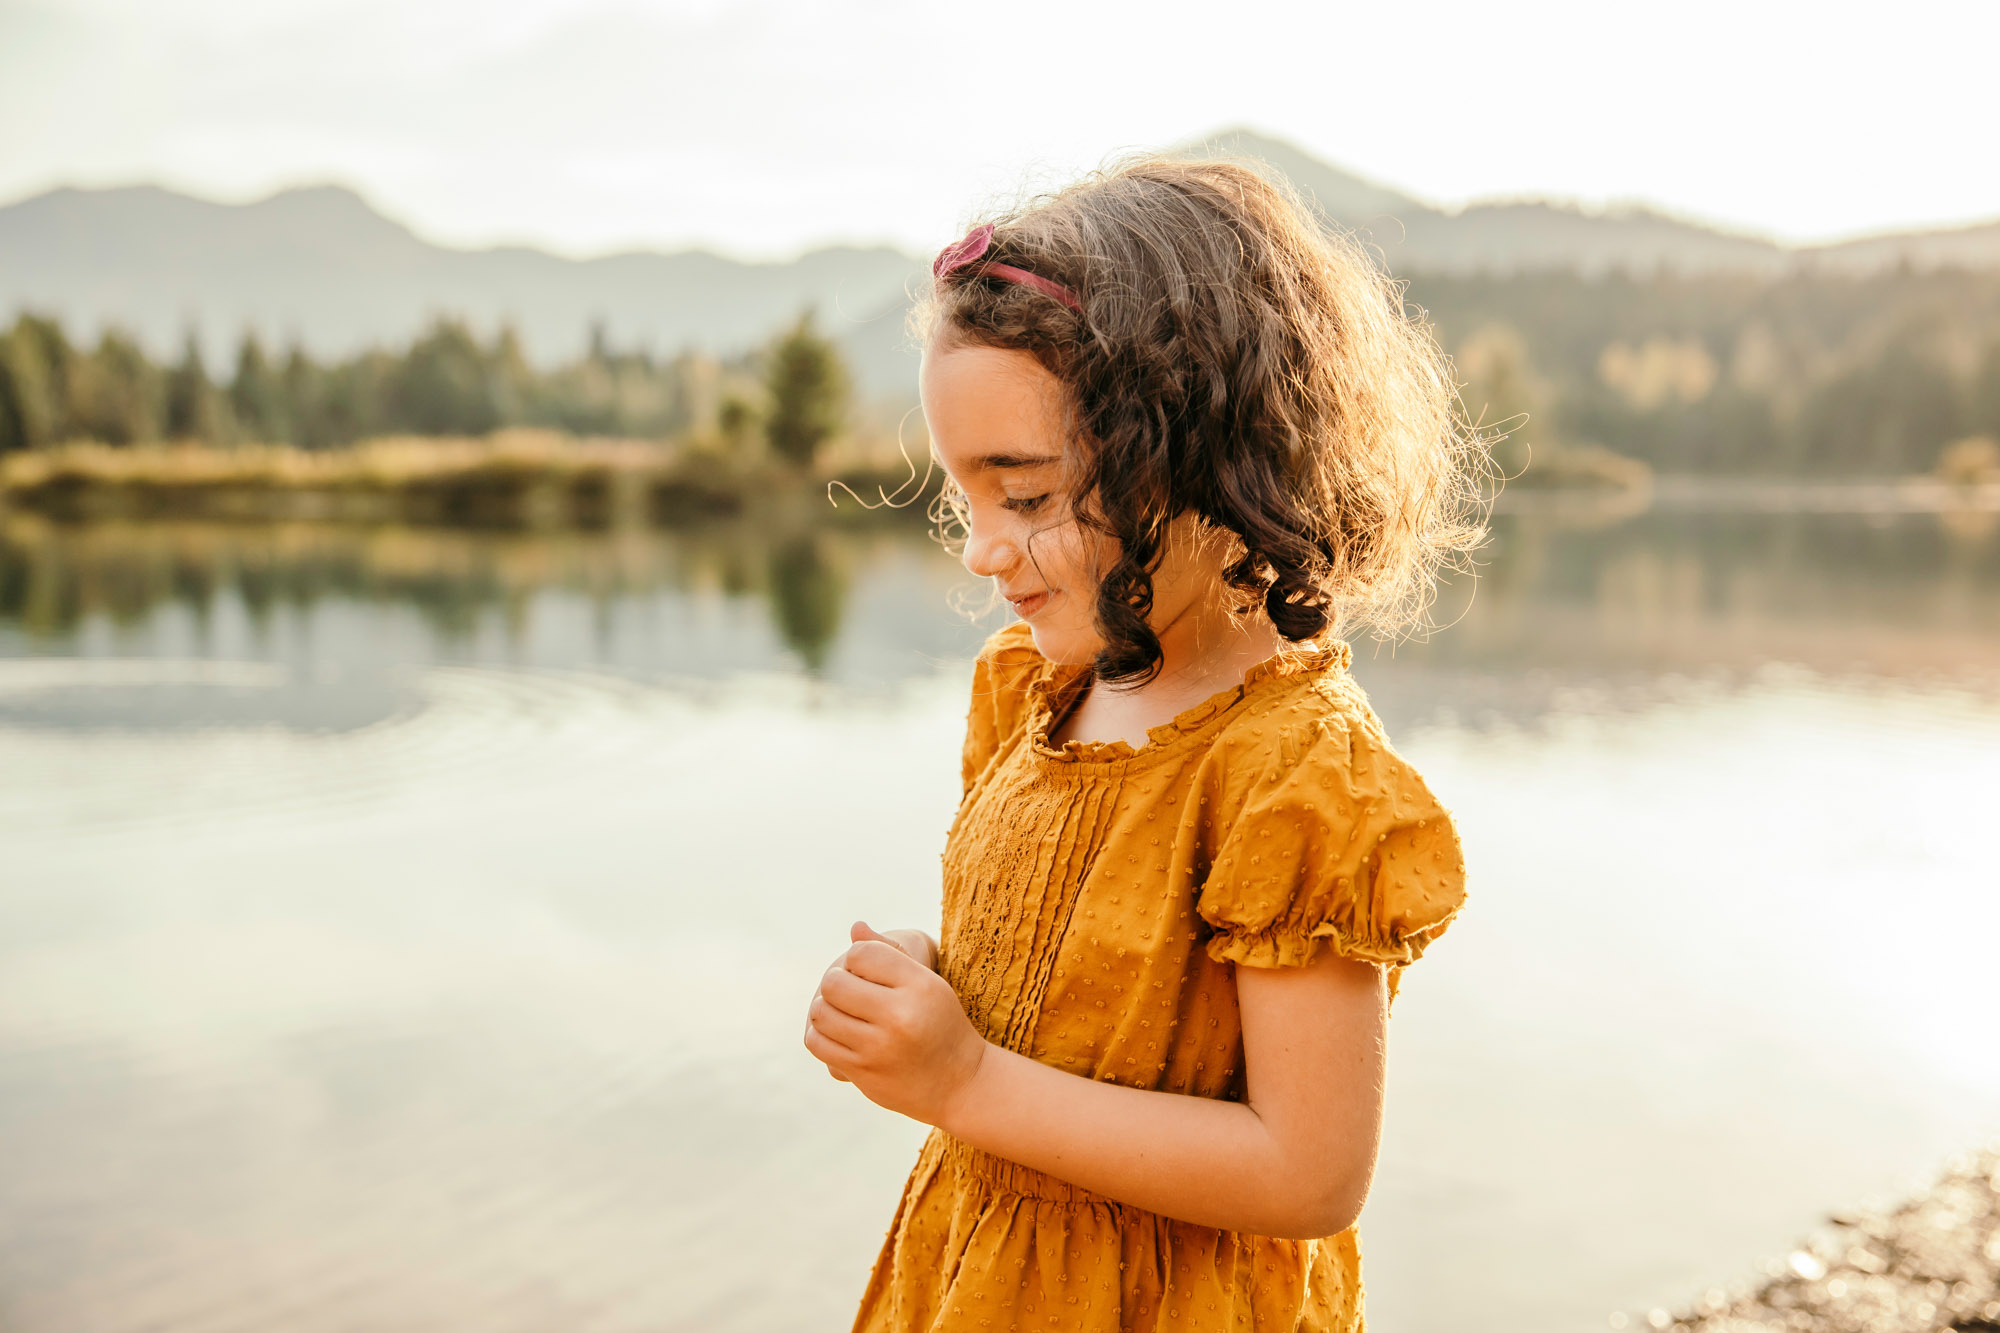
(301, 390)
(512, 379)
(255, 396)
(807, 388)
(29, 405)
(445, 387)
(734, 419)
(1983, 411)
(191, 407)
(1503, 394)
(116, 392)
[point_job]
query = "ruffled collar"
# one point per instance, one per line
(1053, 688)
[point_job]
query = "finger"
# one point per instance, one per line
(881, 963)
(839, 978)
(826, 1050)
(858, 998)
(861, 930)
(916, 944)
(809, 1037)
(849, 1031)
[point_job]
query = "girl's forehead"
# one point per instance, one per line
(961, 371)
(989, 408)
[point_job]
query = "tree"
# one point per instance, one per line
(1984, 408)
(1503, 393)
(31, 387)
(445, 387)
(117, 392)
(807, 389)
(734, 419)
(191, 409)
(303, 410)
(256, 397)
(511, 377)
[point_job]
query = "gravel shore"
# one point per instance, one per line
(1931, 1265)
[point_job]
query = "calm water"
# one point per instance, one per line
(413, 930)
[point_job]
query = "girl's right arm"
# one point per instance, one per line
(1293, 1159)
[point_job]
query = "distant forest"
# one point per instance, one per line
(446, 382)
(1811, 373)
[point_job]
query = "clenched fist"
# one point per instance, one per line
(885, 1022)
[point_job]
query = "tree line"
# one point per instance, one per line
(788, 397)
(1812, 373)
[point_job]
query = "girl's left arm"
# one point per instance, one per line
(1293, 1160)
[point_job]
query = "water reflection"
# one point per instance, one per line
(1575, 610)
(1623, 605)
(54, 577)
(404, 929)
(705, 601)
(808, 587)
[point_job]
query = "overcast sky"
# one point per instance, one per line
(761, 127)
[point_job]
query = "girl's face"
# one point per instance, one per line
(996, 425)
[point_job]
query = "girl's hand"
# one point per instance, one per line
(916, 943)
(892, 1027)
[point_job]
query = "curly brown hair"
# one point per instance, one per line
(1234, 358)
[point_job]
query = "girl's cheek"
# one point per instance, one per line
(1084, 563)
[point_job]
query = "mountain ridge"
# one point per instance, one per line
(320, 264)
(1529, 233)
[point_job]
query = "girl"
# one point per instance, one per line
(1188, 435)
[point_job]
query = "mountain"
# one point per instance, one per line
(1502, 236)
(320, 265)
(1977, 246)
(1511, 236)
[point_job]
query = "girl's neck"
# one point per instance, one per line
(1206, 651)
(1201, 655)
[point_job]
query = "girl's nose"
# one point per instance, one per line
(986, 555)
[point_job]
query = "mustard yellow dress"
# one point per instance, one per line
(1095, 900)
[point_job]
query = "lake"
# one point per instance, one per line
(413, 929)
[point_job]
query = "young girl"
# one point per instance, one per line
(1189, 435)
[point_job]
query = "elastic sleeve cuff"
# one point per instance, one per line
(1288, 945)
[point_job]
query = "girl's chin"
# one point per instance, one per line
(1064, 647)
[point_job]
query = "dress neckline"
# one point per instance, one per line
(1051, 691)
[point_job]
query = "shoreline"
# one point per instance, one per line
(511, 479)
(1929, 1264)
(544, 479)
(1697, 493)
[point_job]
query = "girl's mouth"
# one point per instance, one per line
(1025, 607)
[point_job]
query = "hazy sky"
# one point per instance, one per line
(763, 126)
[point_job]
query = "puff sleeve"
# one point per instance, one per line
(1007, 665)
(1333, 842)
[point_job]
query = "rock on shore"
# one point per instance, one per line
(1931, 1265)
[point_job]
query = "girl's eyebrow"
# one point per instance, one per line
(1002, 462)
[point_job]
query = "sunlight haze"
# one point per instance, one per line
(767, 127)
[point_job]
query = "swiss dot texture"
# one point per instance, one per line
(1095, 899)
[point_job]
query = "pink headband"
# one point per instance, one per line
(972, 248)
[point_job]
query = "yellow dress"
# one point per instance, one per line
(1095, 900)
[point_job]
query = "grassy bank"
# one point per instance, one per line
(515, 478)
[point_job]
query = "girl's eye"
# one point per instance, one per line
(1023, 504)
